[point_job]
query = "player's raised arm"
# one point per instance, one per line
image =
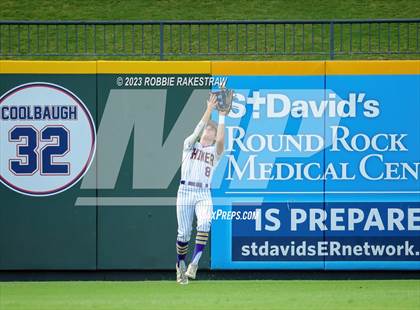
(211, 104)
(220, 137)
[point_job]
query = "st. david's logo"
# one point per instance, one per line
(47, 139)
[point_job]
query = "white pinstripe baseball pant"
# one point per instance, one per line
(192, 199)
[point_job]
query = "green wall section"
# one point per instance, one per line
(48, 232)
(139, 237)
(54, 233)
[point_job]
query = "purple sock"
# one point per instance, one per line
(200, 243)
(181, 251)
(198, 250)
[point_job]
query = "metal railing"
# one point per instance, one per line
(169, 39)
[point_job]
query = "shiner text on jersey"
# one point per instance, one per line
(198, 154)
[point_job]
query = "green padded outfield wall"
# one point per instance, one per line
(143, 125)
(90, 156)
(47, 232)
(121, 214)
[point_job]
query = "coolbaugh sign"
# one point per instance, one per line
(326, 155)
(48, 139)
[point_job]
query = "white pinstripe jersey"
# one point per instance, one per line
(199, 162)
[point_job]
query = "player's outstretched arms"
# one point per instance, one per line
(211, 104)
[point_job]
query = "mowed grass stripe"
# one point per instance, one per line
(369, 294)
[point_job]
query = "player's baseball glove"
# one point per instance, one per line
(224, 99)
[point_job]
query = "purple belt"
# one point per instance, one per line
(196, 184)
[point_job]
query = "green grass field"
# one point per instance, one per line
(335, 295)
(207, 10)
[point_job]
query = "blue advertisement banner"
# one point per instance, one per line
(319, 172)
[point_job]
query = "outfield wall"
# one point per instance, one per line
(338, 189)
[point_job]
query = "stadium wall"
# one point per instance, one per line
(358, 192)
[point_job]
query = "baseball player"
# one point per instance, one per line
(199, 159)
